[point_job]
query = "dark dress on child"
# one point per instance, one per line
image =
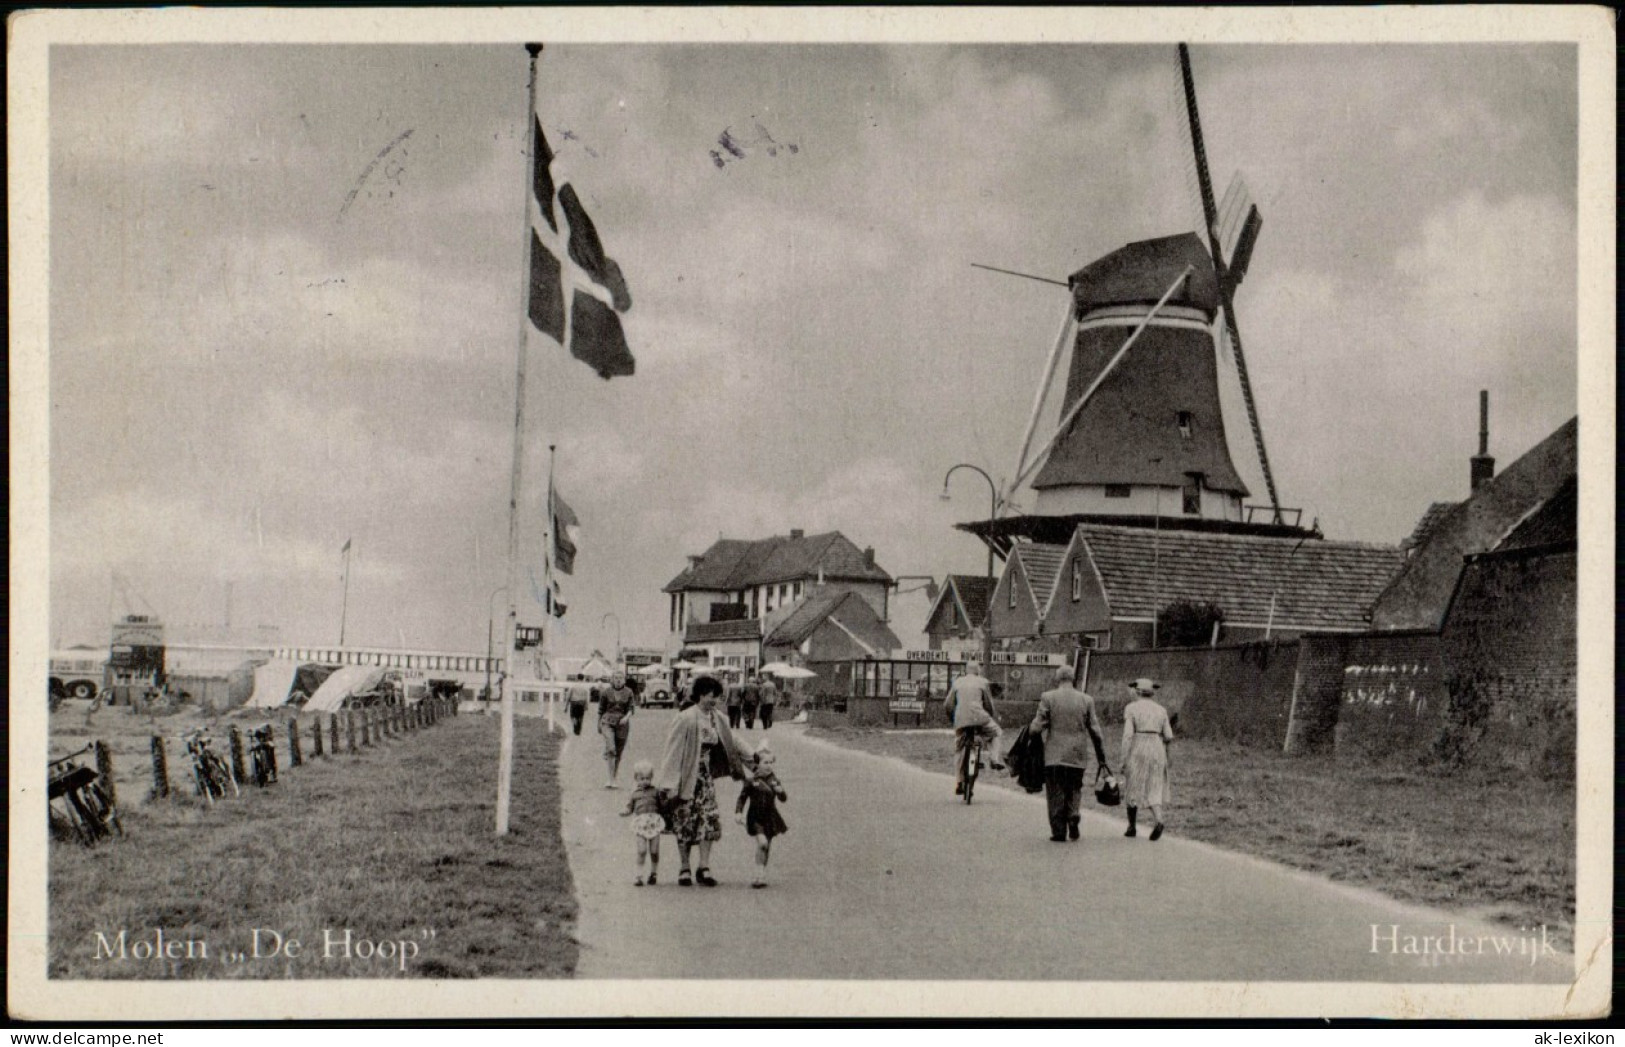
(760, 798)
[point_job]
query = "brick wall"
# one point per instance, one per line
(1317, 690)
(1509, 644)
(1242, 692)
(1392, 700)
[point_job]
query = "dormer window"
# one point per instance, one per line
(1183, 419)
(1117, 490)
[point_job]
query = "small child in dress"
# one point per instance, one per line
(643, 807)
(758, 809)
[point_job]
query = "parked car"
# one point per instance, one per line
(658, 690)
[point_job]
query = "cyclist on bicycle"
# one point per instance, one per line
(969, 706)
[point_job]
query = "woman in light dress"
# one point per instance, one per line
(1146, 734)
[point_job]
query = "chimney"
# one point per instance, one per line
(796, 532)
(869, 556)
(1481, 465)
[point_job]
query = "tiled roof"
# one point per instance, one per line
(1316, 584)
(1555, 521)
(739, 629)
(974, 591)
(1042, 563)
(850, 612)
(1428, 523)
(806, 616)
(733, 563)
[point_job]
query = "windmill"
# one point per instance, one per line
(1141, 411)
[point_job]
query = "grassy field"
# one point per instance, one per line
(1498, 850)
(393, 845)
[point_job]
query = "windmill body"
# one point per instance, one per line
(1150, 440)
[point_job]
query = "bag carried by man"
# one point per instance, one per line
(1108, 792)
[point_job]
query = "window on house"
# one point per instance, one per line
(1012, 592)
(1117, 490)
(1077, 581)
(798, 590)
(1183, 419)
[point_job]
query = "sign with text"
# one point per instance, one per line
(961, 657)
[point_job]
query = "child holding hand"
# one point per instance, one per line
(758, 809)
(643, 807)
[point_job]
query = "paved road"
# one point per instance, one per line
(885, 874)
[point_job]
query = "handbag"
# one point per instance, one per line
(1108, 792)
(718, 764)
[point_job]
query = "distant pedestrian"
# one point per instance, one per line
(758, 809)
(615, 708)
(770, 700)
(1146, 734)
(698, 747)
(643, 807)
(580, 694)
(1067, 722)
(751, 695)
(733, 697)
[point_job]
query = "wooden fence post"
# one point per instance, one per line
(366, 728)
(294, 755)
(160, 768)
(238, 771)
(333, 733)
(316, 732)
(349, 731)
(104, 769)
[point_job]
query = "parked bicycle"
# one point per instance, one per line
(210, 774)
(79, 805)
(262, 756)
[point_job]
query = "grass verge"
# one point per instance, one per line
(1497, 850)
(393, 845)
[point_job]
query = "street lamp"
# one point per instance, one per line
(490, 628)
(992, 514)
(608, 615)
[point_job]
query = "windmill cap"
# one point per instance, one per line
(1142, 272)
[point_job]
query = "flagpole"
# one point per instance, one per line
(344, 605)
(548, 548)
(505, 748)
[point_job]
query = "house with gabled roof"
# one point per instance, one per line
(729, 598)
(1024, 588)
(958, 614)
(829, 625)
(1419, 594)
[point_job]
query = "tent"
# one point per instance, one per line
(348, 680)
(272, 682)
(277, 679)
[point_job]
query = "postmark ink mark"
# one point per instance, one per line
(393, 172)
(732, 148)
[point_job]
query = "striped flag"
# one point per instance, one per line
(576, 291)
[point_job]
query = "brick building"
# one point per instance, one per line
(958, 614)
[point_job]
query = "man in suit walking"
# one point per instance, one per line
(1067, 722)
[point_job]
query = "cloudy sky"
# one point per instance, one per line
(285, 296)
